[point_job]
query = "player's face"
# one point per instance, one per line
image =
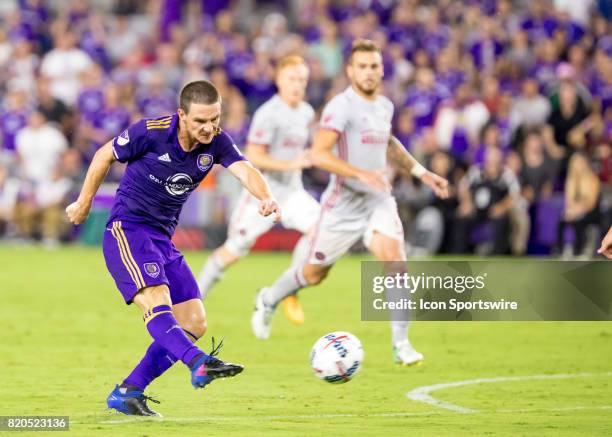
(202, 121)
(366, 72)
(291, 83)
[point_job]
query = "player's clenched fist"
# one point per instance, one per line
(78, 211)
(269, 206)
(438, 184)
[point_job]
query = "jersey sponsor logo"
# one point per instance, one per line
(152, 269)
(205, 161)
(123, 138)
(179, 184)
(165, 157)
(294, 142)
(320, 256)
(374, 137)
(176, 184)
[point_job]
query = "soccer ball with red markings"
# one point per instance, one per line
(336, 357)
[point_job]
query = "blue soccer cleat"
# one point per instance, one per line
(132, 403)
(208, 368)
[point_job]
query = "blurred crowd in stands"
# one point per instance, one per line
(510, 100)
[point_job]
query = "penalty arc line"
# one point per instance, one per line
(422, 394)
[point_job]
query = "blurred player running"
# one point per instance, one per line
(276, 145)
(357, 203)
(167, 158)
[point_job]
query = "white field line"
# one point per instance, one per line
(327, 416)
(422, 394)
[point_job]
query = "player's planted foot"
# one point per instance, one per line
(208, 368)
(406, 355)
(293, 310)
(261, 321)
(133, 403)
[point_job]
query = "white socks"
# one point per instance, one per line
(288, 283)
(210, 274)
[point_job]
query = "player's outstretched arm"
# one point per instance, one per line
(252, 180)
(606, 245)
(324, 158)
(409, 166)
(78, 211)
(258, 155)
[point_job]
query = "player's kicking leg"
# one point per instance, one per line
(391, 250)
(129, 397)
(176, 344)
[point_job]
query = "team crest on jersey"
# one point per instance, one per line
(205, 161)
(152, 269)
(124, 138)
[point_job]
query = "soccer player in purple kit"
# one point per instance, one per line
(166, 159)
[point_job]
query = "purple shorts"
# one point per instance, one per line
(138, 256)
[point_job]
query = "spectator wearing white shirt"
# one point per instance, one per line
(63, 66)
(40, 147)
(530, 108)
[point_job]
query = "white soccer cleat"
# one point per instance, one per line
(406, 355)
(261, 321)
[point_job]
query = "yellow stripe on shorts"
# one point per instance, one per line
(129, 253)
(123, 255)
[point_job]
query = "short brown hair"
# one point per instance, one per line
(363, 45)
(289, 61)
(200, 91)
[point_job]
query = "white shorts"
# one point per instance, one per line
(348, 215)
(299, 211)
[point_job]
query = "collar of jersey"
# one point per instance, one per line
(172, 131)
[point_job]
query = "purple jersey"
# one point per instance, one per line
(113, 120)
(153, 105)
(10, 124)
(450, 79)
(160, 175)
(484, 52)
(90, 102)
(424, 104)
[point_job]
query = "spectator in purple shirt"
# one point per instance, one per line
(13, 118)
(404, 129)
(487, 48)
(537, 22)
(236, 120)
(94, 40)
(155, 98)
(447, 73)
(435, 35)
(545, 65)
(404, 28)
(424, 97)
(90, 100)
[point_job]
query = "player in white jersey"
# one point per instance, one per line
(276, 144)
(357, 203)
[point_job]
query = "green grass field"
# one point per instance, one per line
(67, 338)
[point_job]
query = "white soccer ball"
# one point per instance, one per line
(336, 357)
